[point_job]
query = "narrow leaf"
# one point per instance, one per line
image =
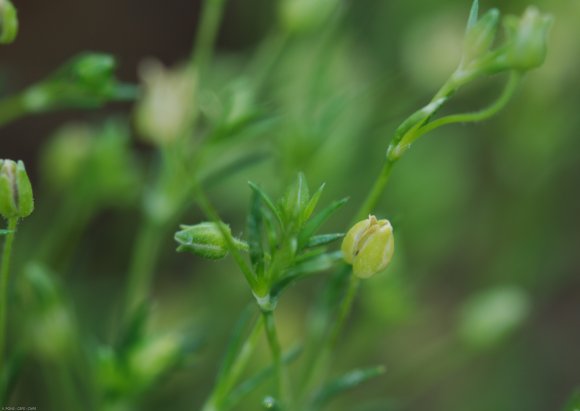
(235, 343)
(315, 265)
(473, 14)
(255, 234)
(314, 224)
(309, 209)
(345, 382)
(255, 381)
(5, 232)
(267, 201)
(323, 239)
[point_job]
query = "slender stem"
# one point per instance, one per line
(145, 255)
(480, 115)
(374, 195)
(213, 215)
(223, 387)
(206, 34)
(4, 281)
(275, 349)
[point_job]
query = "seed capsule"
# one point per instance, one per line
(204, 239)
(16, 200)
(369, 246)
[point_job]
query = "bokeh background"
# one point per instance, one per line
(480, 309)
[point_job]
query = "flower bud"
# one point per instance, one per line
(167, 105)
(8, 22)
(204, 239)
(299, 16)
(369, 246)
(16, 200)
(479, 38)
(528, 39)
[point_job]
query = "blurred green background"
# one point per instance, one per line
(481, 308)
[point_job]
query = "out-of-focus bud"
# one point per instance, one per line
(167, 105)
(16, 199)
(489, 317)
(303, 15)
(66, 154)
(528, 37)
(480, 36)
(206, 240)
(49, 323)
(369, 246)
(86, 81)
(154, 356)
(8, 22)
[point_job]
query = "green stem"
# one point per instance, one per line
(276, 350)
(223, 387)
(476, 116)
(206, 35)
(376, 192)
(145, 255)
(4, 282)
(209, 210)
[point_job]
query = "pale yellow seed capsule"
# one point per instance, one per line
(369, 246)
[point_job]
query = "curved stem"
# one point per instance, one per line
(480, 115)
(4, 281)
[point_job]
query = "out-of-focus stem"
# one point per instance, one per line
(4, 281)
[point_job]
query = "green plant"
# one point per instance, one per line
(198, 137)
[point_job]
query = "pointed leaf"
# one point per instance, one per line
(267, 201)
(296, 198)
(323, 239)
(309, 209)
(473, 14)
(5, 232)
(311, 226)
(345, 382)
(312, 266)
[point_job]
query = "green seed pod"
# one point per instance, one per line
(204, 239)
(369, 246)
(528, 39)
(8, 22)
(16, 200)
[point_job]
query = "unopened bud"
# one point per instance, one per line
(479, 38)
(8, 22)
(206, 240)
(167, 105)
(369, 246)
(528, 39)
(16, 200)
